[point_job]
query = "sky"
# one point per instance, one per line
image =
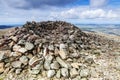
(74, 11)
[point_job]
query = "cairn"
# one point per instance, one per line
(53, 47)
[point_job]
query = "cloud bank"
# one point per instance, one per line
(20, 11)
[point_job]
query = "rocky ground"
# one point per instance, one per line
(74, 55)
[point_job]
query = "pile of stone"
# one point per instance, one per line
(53, 47)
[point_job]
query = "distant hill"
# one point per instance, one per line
(5, 26)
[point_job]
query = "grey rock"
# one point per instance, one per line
(22, 50)
(16, 64)
(61, 62)
(45, 52)
(63, 46)
(51, 47)
(55, 65)
(24, 59)
(84, 72)
(34, 71)
(21, 42)
(58, 74)
(77, 78)
(2, 55)
(34, 61)
(15, 54)
(38, 66)
(50, 73)
(18, 71)
(64, 72)
(29, 46)
(74, 72)
(48, 60)
(63, 54)
(2, 67)
(16, 48)
(71, 37)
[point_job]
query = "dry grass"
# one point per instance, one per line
(4, 31)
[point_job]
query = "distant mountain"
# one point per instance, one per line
(8, 26)
(5, 26)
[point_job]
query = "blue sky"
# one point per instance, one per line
(74, 11)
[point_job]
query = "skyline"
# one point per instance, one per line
(74, 11)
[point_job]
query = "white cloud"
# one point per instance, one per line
(98, 3)
(86, 13)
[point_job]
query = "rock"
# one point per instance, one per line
(34, 61)
(2, 67)
(58, 74)
(72, 37)
(55, 65)
(84, 72)
(50, 73)
(14, 38)
(75, 65)
(63, 54)
(2, 55)
(18, 71)
(77, 78)
(89, 60)
(34, 71)
(16, 64)
(64, 72)
(73, 73)
(21, 42)
(29, 46)
(61, 62)
(48, 60)
(51, 47)
(16, 48)
(45, 52)
(97, 52)
(83, 79)
(38, 66)
(63, 46)
(15, 54)
(24, 59)
(22, 50)
(116, 53)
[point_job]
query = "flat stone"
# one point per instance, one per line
(62, 46)
(38, 66)
(50, 73)
(21, 42)
(45, 52)
(51, 47)
(2, 55)
(16, 64)
(34, 61)
(58, 74)
(29, 46)
(61, 62)
(74, 72)
(64, 72)
(16, 48)
(14, 38)
(34, 71)
(18, 71)
(24, 59)
(75, 65)
(22, 50)
(15, 54)
(63, 54)
(2, 67)
(48, 60)
(84, 72)
(55, 65)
